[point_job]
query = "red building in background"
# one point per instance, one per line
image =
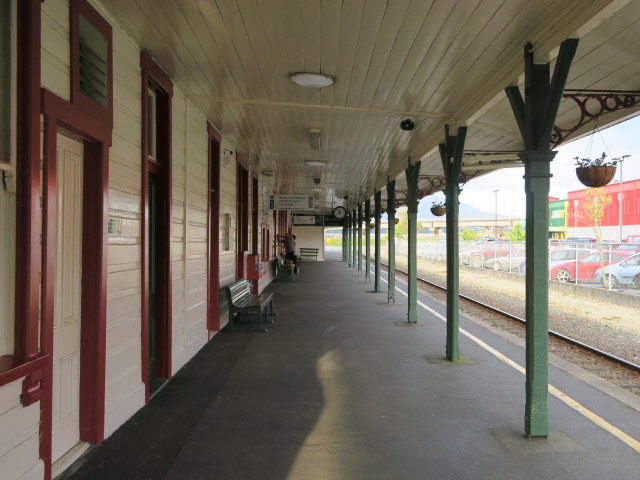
(612, 226)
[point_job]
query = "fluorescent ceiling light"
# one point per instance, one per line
(316, 189)
(312, 80)
(316, 163)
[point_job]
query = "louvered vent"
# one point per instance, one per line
(93, 63)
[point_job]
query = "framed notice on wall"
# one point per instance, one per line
(291, 202)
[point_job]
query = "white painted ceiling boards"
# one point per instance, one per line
(436, 62)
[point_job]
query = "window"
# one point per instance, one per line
(91, 61)
(152, 108)
(7, 190)
(7, 97)
(266, 242)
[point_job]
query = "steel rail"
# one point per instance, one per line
(608, 356)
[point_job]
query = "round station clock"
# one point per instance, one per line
(340, 212)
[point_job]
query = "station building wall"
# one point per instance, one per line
(20, 444)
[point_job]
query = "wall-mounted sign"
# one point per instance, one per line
(305, 220)
(317, 220)
(115, 226)
(291, 202)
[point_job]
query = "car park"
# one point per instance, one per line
(561, 255)
(478, 255)
(508, 263)
(622, 274)
(584, 269)
(628, 247)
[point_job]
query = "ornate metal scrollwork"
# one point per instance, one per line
(603, 102)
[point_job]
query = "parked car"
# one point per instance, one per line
(628, 247)
(632, 239)
(562, 255)
(508, 263)
(621, 274)
(586, 267)
(479, 255)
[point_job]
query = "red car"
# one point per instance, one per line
(587, 267)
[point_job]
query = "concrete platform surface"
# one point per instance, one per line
(341, 387)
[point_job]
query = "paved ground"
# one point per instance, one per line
(341, 387)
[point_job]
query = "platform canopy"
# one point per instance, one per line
(433, 62)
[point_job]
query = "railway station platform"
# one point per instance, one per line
(342, 387)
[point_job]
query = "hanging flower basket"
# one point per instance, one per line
(595, 177)
(372, 226)
(438, 211)
(595, 173)
(396, 221)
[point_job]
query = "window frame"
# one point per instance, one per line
(82, 8)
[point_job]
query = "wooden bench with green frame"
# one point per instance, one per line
(307, 253)
(240, 301)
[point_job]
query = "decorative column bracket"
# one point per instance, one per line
(592, 105)
(451, 152)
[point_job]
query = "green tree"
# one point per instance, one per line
(517, 234)
(595, 201)
(402, 228)
(469, 234)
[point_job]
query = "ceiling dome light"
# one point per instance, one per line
(313, 80)
(316, 163)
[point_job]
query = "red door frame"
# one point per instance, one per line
(60, 115)
(213, 246)
(154, 77)
(254, 214)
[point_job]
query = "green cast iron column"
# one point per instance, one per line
(377, 198)
(537, 174)
(344, 240)
(391, 215)
(367, 263)
(359, 238)
(451, 156)
(412, 173)
(535, 116)
(355, 239)
(348, 220)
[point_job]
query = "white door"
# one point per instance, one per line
(66, 323)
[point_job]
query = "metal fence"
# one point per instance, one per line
(576, 262)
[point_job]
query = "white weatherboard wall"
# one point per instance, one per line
(124, 393)
(189, 235)
(227, 207)
(19, 427)
(310, 237)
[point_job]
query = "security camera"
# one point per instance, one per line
(407, 124)
(316, 180)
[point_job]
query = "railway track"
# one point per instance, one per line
(573, 343)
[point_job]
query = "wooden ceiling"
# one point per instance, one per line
(436, 62)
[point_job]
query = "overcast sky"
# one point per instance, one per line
(622, 139)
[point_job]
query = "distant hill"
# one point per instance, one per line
(467, 212)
